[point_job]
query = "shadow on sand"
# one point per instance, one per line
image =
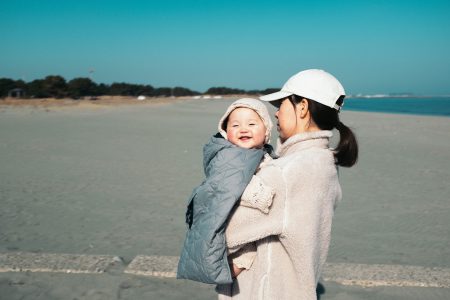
(320, 290)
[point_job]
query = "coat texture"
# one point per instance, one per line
(228, 170)
(292, 239)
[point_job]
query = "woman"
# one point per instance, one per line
(292, 239)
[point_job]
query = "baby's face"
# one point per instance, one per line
(245, 128)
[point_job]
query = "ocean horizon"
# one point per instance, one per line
(432, 106)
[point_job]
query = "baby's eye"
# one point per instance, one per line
(235, 125)
(252, 124)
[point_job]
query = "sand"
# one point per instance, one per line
(114, 180)
(15, 286)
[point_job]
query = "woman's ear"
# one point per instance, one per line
(303, 108)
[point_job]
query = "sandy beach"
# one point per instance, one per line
(114, 179)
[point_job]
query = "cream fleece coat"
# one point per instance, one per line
(293, 238)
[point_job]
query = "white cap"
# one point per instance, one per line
(313, 84)
(254, 104)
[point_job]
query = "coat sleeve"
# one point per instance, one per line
(258, 195)
(248, 224)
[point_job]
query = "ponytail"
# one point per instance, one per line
(327, 118)
(346, 152)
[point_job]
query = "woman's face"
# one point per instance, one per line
(286, 119)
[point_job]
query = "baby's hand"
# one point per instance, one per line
(235, 270)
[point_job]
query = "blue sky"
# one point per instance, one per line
(370, 46)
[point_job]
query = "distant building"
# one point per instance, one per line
(16, 93)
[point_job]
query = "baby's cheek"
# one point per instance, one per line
(231, 136)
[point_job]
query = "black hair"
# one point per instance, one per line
(224, 124)
(327, 118)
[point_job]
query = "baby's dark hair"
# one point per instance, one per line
(327, 118)
(225, 123)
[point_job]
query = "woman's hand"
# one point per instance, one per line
(235, 270)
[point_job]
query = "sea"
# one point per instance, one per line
(433, 106)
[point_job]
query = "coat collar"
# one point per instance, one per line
(301, 141)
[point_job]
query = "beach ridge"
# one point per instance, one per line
(365, 275)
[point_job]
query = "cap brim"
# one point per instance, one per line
(275, 96)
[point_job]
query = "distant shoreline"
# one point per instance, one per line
(388, 104)
(101, 101)
(396, 96)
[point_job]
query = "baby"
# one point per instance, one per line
(230, 159)
(243, 126)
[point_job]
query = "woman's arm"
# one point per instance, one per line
(248, 224)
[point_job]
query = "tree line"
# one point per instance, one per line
(55, 86)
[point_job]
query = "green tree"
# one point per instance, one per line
(269, 91)
(6, 85)
(35, 89)
(102, 89)
(253, 92)
(223, 91)
(124, 89)
(81, 86)
(146, 90)
(163, 92)
(55, 86)
(181, 91)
